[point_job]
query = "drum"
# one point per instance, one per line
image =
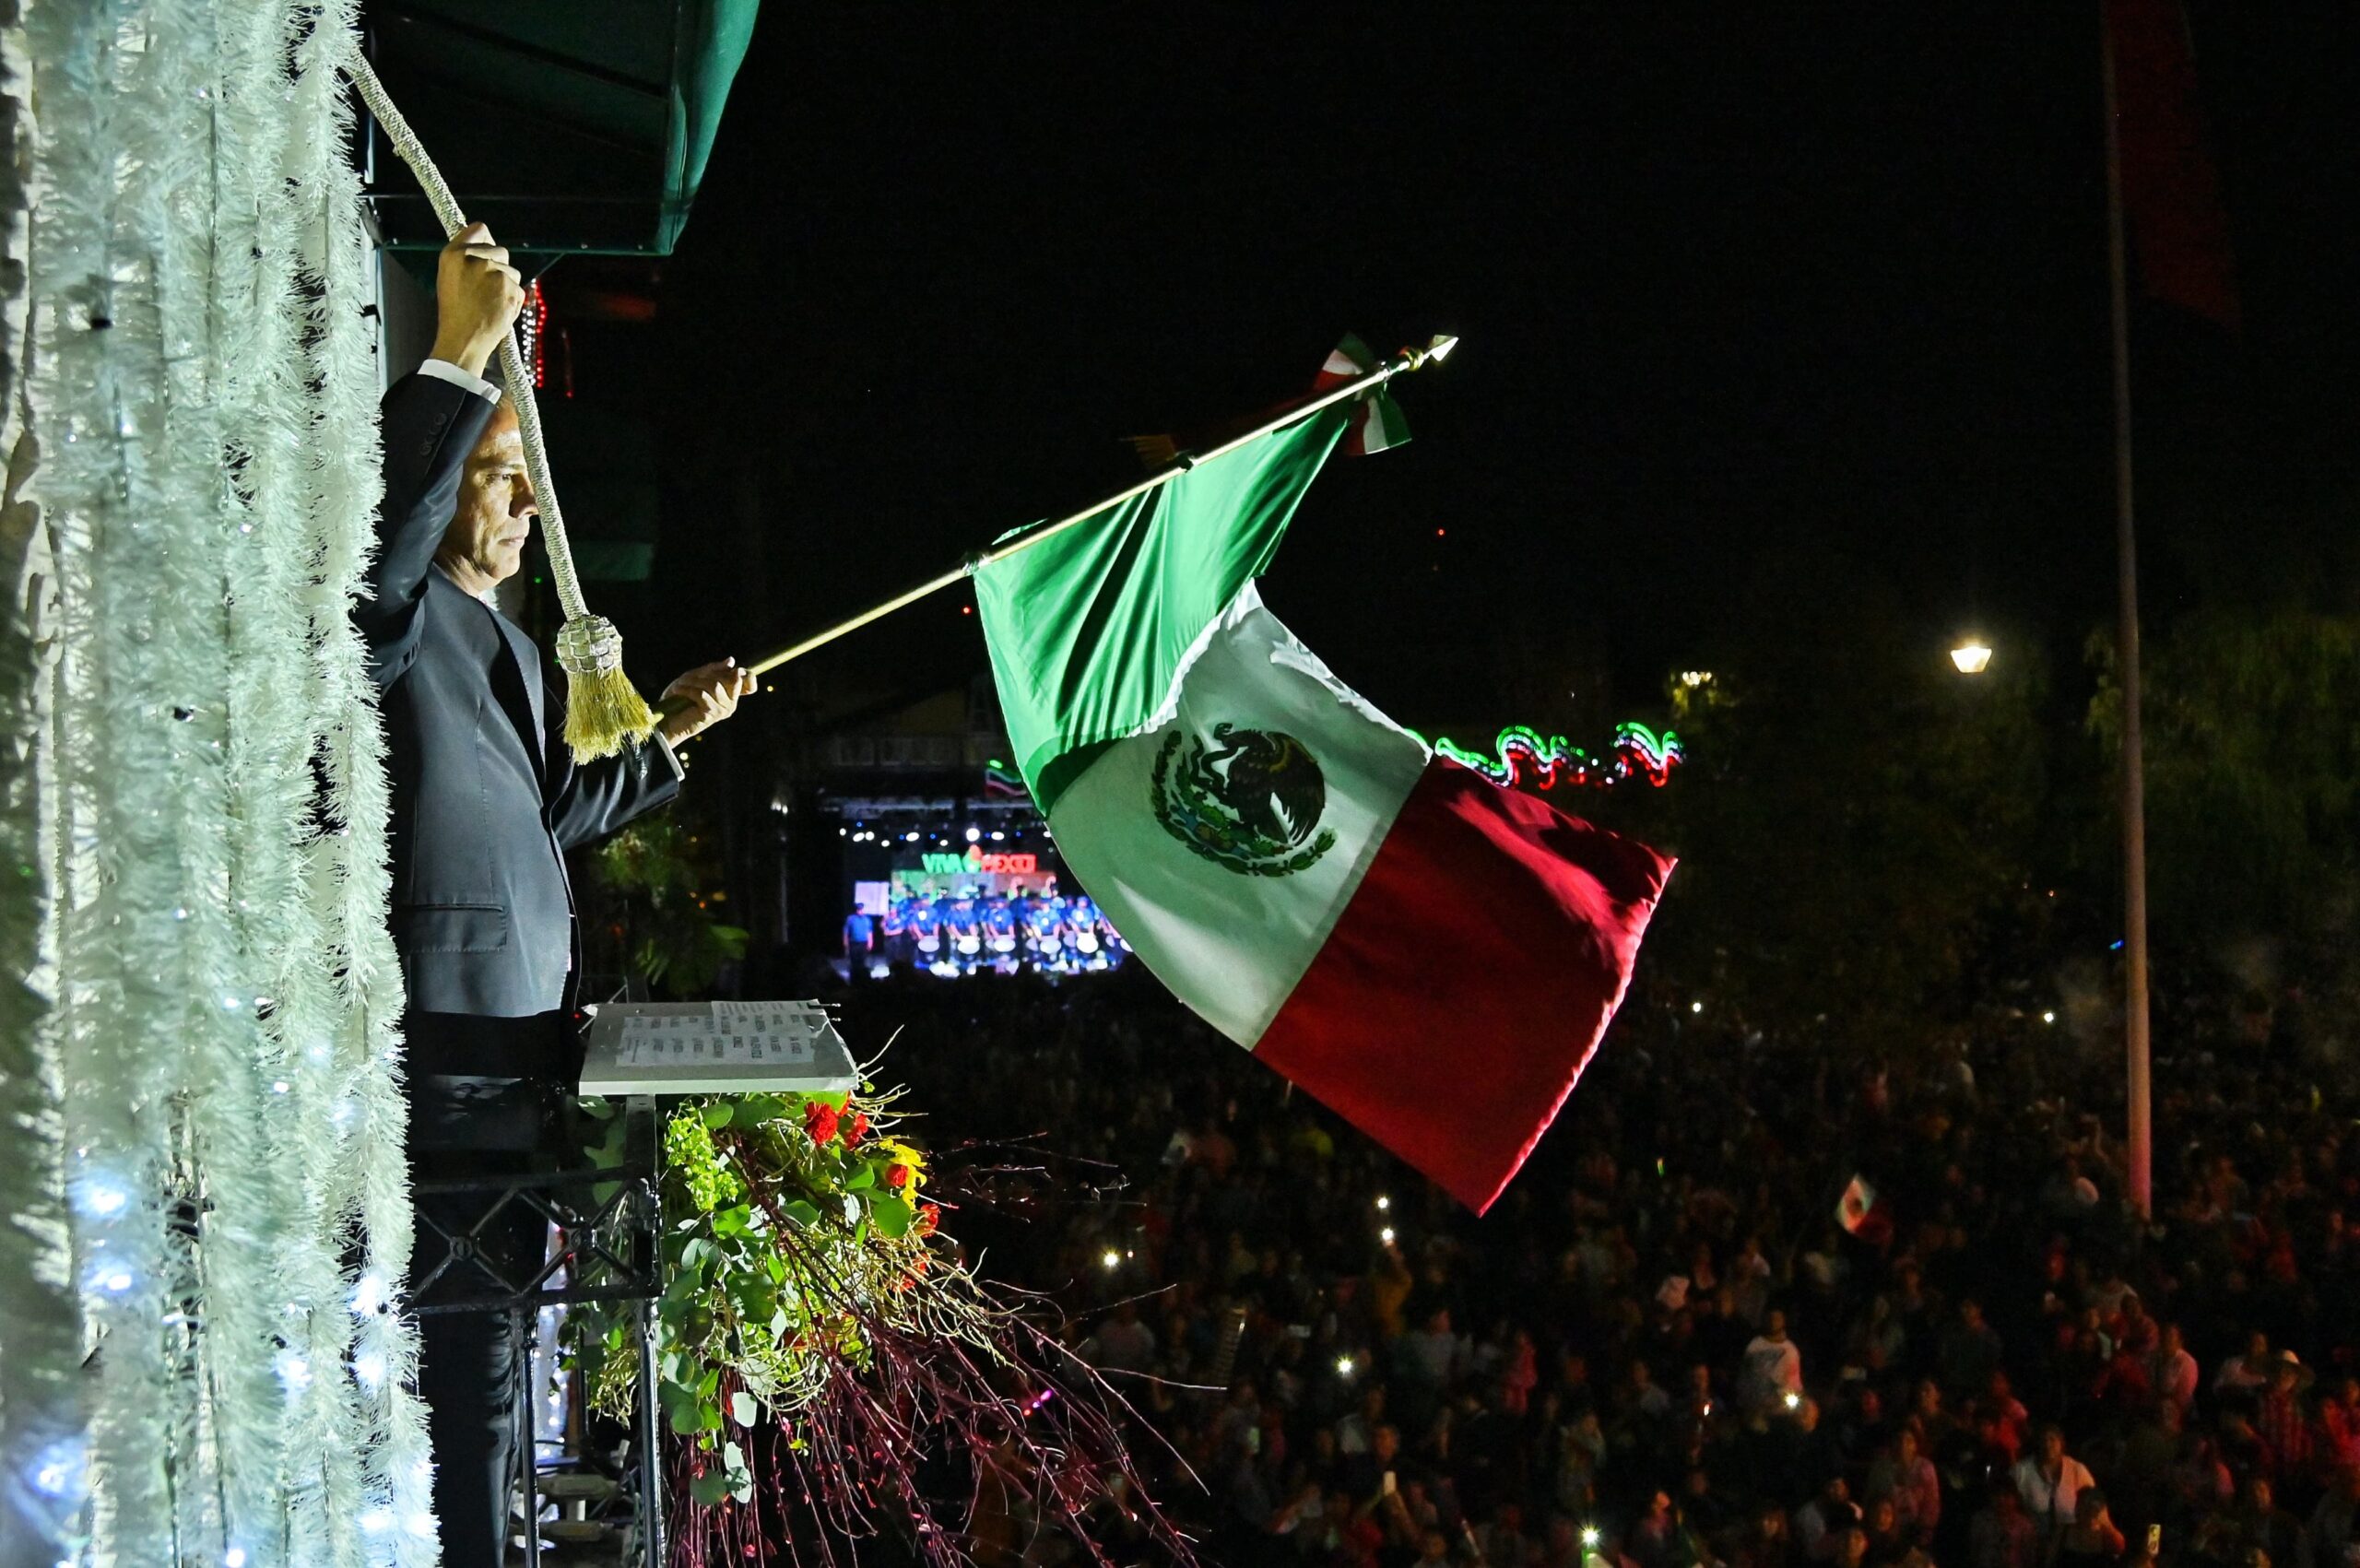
(1049, 946)
(1086, 943)
(930, 945)
(970, 946)
(1003, 944)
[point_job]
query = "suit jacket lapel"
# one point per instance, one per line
(522, 649)
(524, 658)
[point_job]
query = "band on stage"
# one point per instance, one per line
(969, 930)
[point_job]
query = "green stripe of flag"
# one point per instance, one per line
(1088, 630)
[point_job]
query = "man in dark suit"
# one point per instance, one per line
(486, 799)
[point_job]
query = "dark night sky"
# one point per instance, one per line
(1729, 278)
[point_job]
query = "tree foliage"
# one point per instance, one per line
(653, 908)
(2251, 740)
(1854, 814)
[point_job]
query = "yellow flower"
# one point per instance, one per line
(900, 1153)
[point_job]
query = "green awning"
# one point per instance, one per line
(571, 126)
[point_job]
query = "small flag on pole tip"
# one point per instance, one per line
(1376, 421)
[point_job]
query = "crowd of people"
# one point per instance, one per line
(1661, 1348)
(971, 929)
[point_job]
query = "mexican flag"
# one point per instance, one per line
(1430, 955)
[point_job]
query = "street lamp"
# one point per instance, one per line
(1971, 657)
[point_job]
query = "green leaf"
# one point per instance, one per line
(753, 1110)
(710, 1488)
(801, 1213)
(862, 1177)
(732, 1221)
(719, 1113)
(852, 1209)
(742, 1475)
(890, 1214)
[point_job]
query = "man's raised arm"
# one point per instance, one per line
(431, 421)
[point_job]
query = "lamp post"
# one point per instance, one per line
(1971, 657)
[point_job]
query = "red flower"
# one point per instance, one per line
(856, 1129)
(929, 1216)
(899, 1177)
(819, 1121)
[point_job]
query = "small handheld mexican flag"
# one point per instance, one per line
(1862, 1213)
(1434, 957)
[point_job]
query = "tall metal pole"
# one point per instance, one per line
(2140, 1137)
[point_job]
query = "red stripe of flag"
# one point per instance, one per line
(1468, 980)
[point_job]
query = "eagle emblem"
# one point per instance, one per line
(1250, 801)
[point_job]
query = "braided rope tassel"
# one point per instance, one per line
(603, 709)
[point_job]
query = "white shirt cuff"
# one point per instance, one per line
(680, 775)
(444, 369)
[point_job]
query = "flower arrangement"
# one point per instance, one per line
(826, 1360)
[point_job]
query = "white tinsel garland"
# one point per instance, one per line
(230, 1123)
(40, 1415)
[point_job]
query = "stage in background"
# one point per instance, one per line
(960, 888)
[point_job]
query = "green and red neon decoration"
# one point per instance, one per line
(1521, 755)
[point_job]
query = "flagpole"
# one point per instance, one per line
(2134, 810)
(1405, 360)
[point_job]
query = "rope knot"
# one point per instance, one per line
(589, 644)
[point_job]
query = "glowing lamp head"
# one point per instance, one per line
(1591, 1538)
(1386, 1235)
(1439, 349)
(1384, 1203)
(1794, 1401)
(1343, 1366)
(2048, 1018)
(1971, 657)
(1111, 1258)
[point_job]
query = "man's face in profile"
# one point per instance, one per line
(485, 544)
